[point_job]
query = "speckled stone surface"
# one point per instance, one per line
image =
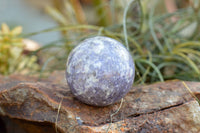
(100, 71)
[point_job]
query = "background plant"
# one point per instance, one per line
(165, 45)
(12, 59)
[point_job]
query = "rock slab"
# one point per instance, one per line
(47, 106)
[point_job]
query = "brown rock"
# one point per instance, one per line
(160, 107)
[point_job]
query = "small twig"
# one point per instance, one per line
(191, 92)
(59, 107)
(114, 114)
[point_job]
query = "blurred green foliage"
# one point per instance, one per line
(164, 45)
(12, 59)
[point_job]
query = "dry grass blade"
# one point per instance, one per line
(191, 92)
(114, 114)
(80, 15)
(59, 107)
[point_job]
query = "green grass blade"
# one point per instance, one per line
(65, 28)
(124, 23)
(153, 66)
(151, 27)
(187, 44)
(191, 63)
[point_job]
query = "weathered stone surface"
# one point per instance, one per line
(161, 107)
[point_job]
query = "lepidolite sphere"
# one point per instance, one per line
(100, 71)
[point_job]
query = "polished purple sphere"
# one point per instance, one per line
(100, 71)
